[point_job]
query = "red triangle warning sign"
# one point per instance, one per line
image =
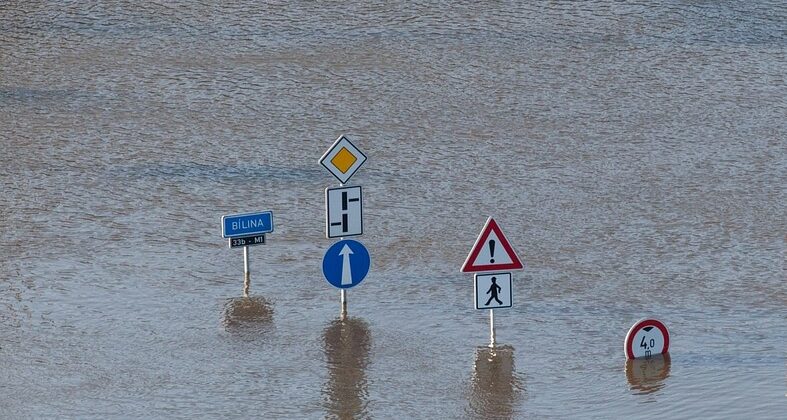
(491, 251)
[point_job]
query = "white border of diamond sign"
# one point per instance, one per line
(342, 143)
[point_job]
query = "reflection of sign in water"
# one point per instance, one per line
(251, 312)
(493, 291)
(346, 263)
(647, 375)
(495, 386)
(347, 345)
(344, 216)
(646, 338)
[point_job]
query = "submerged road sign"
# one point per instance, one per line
(491, 251)
(344, 213)
(247, 224)
(493, 291)
(346, 264)
(646, 338)
(342, 159)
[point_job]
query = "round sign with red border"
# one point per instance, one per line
(646, 338)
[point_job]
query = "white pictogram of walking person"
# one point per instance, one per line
(494, 289)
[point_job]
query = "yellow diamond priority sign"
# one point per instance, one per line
(342, 159)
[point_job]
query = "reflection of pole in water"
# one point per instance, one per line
(495, 387)
(648, 375)
(347, 345)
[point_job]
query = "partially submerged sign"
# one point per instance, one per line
(342, 159)
(491, 251)
(646, 338)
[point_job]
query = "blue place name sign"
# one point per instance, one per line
(234, 225)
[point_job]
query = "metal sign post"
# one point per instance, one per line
(246, 272)
(245, 230)
(345, 265)
(343, 209)
(343, 313)
(343, 292)
(492, 328)
(492, 290)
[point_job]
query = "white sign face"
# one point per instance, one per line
(491, 252)
(648, 337)
(342, 159)
(493, 291)
(344, 212)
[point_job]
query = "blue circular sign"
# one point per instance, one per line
(346, 263)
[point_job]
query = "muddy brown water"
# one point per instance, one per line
(633, 153)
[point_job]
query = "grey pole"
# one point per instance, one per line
(343, 314)
(246, 273)
(492, 328)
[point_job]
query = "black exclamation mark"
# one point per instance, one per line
(492, 251)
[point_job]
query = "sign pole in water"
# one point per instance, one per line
(345, 265)
(343, 209)
(343, 313)
(244, 230)
(492, 328)
(492, 251)
(246, 272)
(492, 291)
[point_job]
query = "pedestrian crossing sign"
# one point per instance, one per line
(493, 291)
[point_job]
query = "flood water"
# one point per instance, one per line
(634, 154)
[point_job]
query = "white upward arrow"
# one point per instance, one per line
(347, 276)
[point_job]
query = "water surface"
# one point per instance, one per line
(634, 154)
